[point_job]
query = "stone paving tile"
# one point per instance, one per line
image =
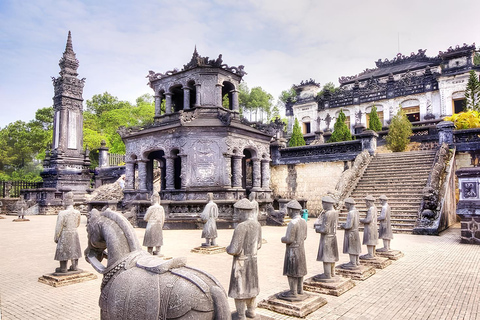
(437, 279)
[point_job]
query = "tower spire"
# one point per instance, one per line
(68, 63)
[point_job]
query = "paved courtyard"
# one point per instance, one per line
(438, 278)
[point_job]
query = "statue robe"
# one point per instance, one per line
(246, 240)
(370, 232)
(66, 235)
(295, 263)
(328, 248)
(155, 217)
(210, 216)
(385, 230)
(351, 240)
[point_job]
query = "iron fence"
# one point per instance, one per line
(11, 189)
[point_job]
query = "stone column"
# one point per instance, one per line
(218, 88)
(103, 155)
(237, 171)
(445, 132)
(257, 174)
(235, 104)
(169, 172)
(130, 175)
(186, 98)
(183, 173)
(142, 175)
(228, 170)
(369, 141)
(62, 145)
(168, 103)
(266, 174)
(158, 104)
(198, 95)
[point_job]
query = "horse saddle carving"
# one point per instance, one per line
(158, 265)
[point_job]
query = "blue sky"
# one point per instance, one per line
(279, 42)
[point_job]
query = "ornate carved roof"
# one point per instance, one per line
(401, 63)
(197, 61)
(305, 83)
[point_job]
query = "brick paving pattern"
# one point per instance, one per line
(438, 278)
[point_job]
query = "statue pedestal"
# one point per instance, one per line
(361, 273)
(376, 262)
(334, 287)
(65, 279)
(209, 250)
(20, 220)
(302, 308)
(392, 254)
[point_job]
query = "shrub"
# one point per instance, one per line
(296, 140)
(374, 123)
(465, 120)
(399, 132)
(341, 132)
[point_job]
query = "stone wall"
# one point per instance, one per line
(310, 181)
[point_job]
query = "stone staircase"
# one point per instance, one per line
(401, 176)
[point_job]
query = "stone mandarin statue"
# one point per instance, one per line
(295, 264)
(326, 225)
(21, 206)
(155, 218)
(385, 230)
(246, 240)
(370, 233)
(253, 200)
(209, 216)
(351, 240)
(66, 236)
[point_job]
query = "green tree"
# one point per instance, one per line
(288, 95)
(374, 123)
(472, 92)
(296, 140)
(329, 86)
(341, 132)
(255, 100)
(399, 132)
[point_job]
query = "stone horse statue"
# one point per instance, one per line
(137, 285)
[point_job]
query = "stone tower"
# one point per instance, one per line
(201, 144)
(66, 165)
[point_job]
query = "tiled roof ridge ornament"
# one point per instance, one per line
(306, 83)
(198, 61)
(457, 48)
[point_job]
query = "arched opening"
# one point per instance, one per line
(177, 169)
(247, 170)
(177, 98)
(160, 106)
(306, 125)
(227, 99)
(193, 93)
(411, 109)
(156, 171)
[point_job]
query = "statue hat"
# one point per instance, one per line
(369, 198)
(328, 199)
(68, 198)
(294, 204)
(383, 197)
(244, 204)
(350, 200)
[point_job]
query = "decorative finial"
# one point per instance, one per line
(69, 46)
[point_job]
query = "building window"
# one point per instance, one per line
(306, 127)
(413, 113)
(458, 105)
(380, 117)
(347, 122)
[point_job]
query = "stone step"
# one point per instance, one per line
(398, 170)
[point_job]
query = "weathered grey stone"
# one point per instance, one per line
(295, 263)
(143, 285)
(246, 241)
(370, 232)
(66, 237)
(351, 241)
(155, 217)
(385, 230)
(209, 217)
(326, 225)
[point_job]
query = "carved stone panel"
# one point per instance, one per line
(205, 163)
